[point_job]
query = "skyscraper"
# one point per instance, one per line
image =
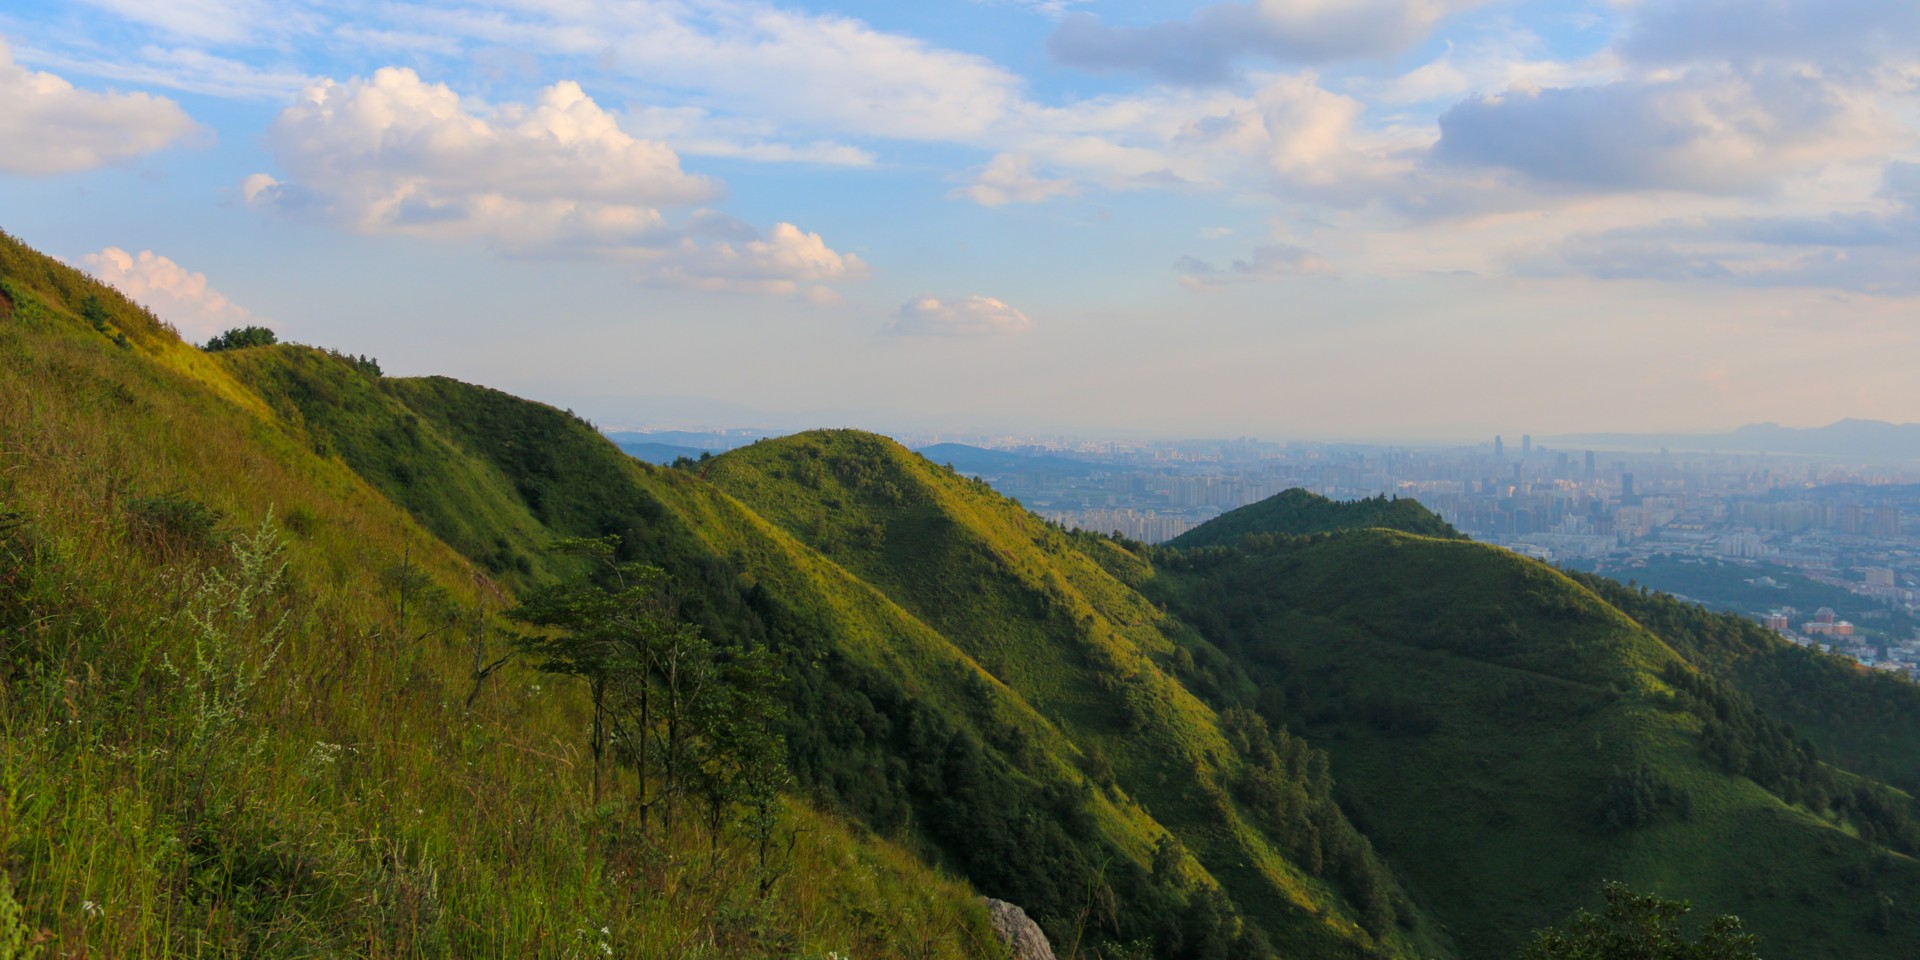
(1590, 465)
(1526, 445)
(1499, 447)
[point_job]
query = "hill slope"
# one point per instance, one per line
(1508, 739)
(1050, 615)
(205, 753)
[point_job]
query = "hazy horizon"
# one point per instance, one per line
(1378, 221)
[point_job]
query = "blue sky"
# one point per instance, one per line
(1368, 219)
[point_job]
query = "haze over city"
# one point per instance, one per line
(1397, 220)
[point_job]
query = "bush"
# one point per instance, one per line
(173, 521)
(242, 337)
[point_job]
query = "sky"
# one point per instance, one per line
(1396, 220)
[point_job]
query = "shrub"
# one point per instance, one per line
(242, 337)
(174, 521)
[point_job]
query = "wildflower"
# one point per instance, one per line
(90, 908)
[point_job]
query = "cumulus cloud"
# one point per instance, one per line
(974, 316)
(174, 293)
(1274, 262)
(778, 264)
(1204, 49)
(395, 154)
(1709, 132)
(49, 127)
(1009, 178)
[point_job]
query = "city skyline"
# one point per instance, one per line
(1384, 220)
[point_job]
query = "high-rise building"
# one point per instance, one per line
(1885, 523)
(1626, 489)
(1590, 470)
(1526, 444)
(1499, 447)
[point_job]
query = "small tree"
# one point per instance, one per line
(241, 337)
(1637, 927)
(604, 626)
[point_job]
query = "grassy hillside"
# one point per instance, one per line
(1508, 740)
(1045, 613)
(1861, 719)
(1297, 512)
(207, 754)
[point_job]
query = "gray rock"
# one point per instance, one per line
(1018, 931)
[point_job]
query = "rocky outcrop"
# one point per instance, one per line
(1022, 936)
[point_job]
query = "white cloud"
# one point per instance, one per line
(175, 294)
(1204, 49)
(974, 316)
(1009, 178)
(778, 264)
(1708, 131)
(697, 132)
(395, 154)
(48, 127)
(1273, 262)
(181, 68)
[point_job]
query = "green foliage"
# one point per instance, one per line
(174, 522)
(17, 939)
(94, 312)
(1640, 927)
(1637, 797)
(696, 727)
(1299, 512)
(240, 338)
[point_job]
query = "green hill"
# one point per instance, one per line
(1507, 739)
(1297, 512)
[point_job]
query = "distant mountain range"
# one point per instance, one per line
(697, 440)
(980, 461)
(1852, 439)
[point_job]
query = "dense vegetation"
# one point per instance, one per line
(1552, 738)
(298, 659)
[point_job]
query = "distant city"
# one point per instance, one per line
(1823, 550)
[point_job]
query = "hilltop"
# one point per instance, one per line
(1298, 512)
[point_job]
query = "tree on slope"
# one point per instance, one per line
(1640, 927)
